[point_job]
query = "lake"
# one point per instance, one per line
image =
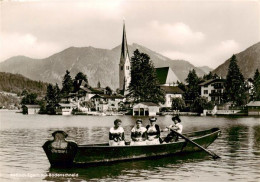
(23, 159)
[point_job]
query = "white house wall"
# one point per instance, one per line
(168, 99)
(209, 89)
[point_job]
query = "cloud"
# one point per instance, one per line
(228, 46)
(25, 44)
(216, 54)
(177, 34)
(105, 9)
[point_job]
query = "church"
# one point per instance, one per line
(124, 65)
(166, 77)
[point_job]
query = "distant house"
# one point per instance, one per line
(33, 109)
(170, 93)
(145, 109)
(253, 108)
(166, 76)
(66, 109)
(213, 90)
(85, 93)
(103, 102)
(250, 86)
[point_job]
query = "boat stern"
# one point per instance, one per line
(60, 152)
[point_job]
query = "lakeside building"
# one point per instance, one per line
(168, 83)
(213, 90)
(66, 108)
(145, 109)
(32, 109)
(103, 102)
(170, 93)
(253, 108)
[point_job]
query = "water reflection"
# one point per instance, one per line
(21, 138)
(237, 136)
(256, 139)
(130, 169)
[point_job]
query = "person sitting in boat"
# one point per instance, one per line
(177, 126)
(153, 132)
(138, 134)
(116, 134)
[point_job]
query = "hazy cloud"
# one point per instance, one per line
(204, 32)
(25, 44)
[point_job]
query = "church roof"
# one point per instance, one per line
(165, 75)
(162, 74)
(124, 47)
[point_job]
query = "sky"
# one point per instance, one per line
(203, 32)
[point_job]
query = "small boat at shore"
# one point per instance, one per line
(66, 153)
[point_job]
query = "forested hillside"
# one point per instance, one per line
(16, 83)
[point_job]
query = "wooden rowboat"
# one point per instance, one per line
(64, 153)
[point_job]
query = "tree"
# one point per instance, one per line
(108, 90)
(201, 103)
(193, 89)
(235, 89)
(67, 84)
(182, 86)
(256, 83)
(24, 92)
(29, 98)
(144, 84)
(98, 84)
(79, 79)
(53, 97)
(210, 76)
(178, 104)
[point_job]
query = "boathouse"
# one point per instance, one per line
(145, 109)
(32, 109)
(66, 109)
(253, 108)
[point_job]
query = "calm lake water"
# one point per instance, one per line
(23, 159)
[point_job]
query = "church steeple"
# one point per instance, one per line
(124, 47)
(124, 65)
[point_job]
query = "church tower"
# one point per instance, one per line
(124, 65)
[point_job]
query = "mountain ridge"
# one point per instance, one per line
(247, 60)
(97, 63)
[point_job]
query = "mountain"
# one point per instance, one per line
(206, 69)
(11, 84)
(247, 60)
(98, 64)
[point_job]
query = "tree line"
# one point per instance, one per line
(16, 83)
(144, 87)
(54, 94)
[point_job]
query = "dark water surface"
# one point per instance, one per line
(23, 159)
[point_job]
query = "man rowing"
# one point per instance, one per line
(177, 126)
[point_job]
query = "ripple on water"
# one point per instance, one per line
(238, 146)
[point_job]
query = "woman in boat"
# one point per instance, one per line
(177, 126)
(153, 132)
(138, 134)
(116, 134)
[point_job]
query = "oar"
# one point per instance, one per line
(215, 156)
